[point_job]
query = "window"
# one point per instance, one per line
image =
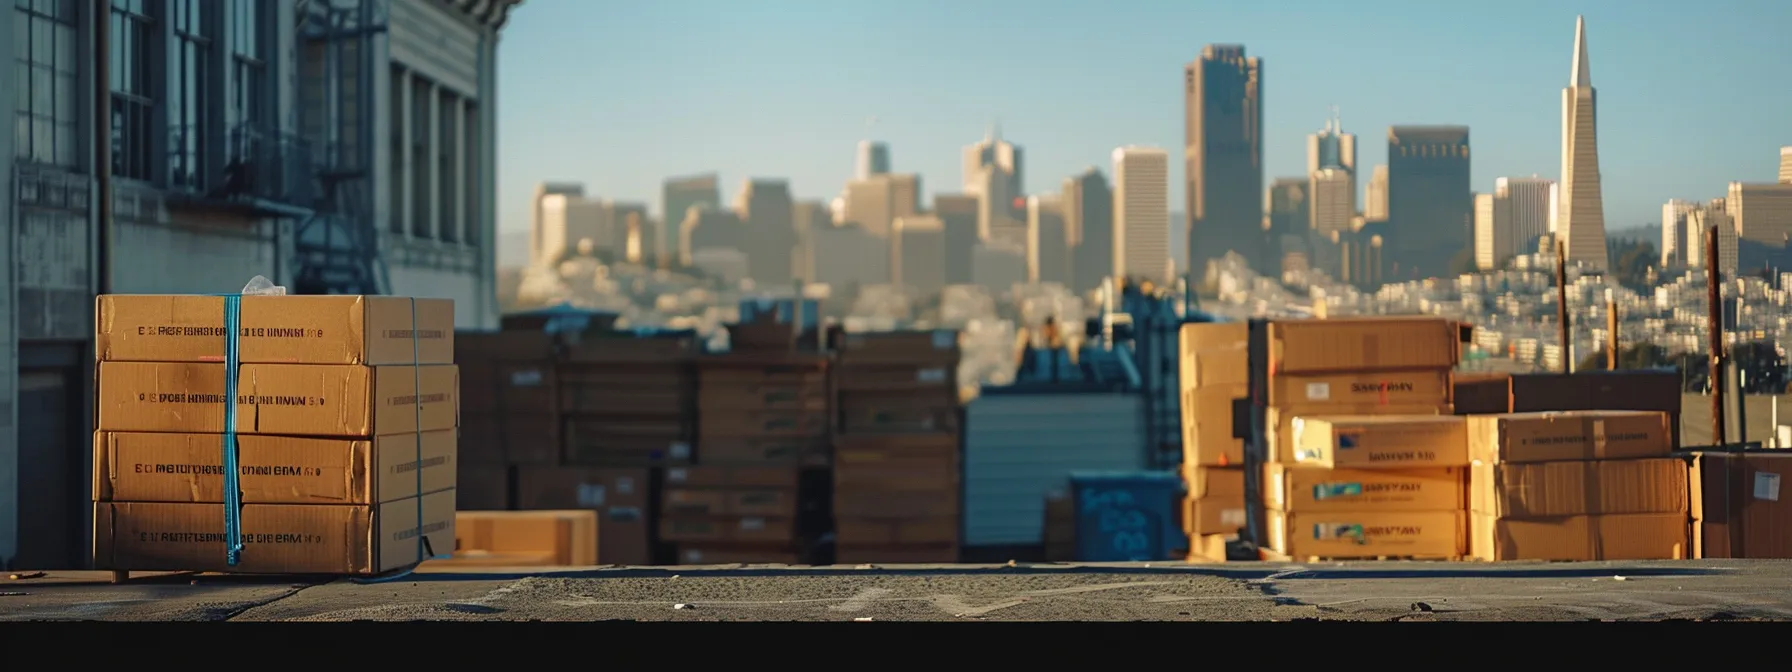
(188, 97)
(45, 57)
(249, 100)
(474, 175)
(448, 176)
(422, 105)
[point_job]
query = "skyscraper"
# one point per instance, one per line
(1581, 221)
(1089, 217)
(958, 214)
(873, 159)
(1530, 209)
(1375, 196)
(992, 172)
(1674, 252)
(1048, 247)
(1786, 165)
(538, 217)
(677, 196)
(1142, 212)
(768, 231)
(1223, 116)
(1331, 147)
(1331, 177)
(1430, 206)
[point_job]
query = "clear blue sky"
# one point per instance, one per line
(621, 94)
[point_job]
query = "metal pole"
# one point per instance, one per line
(1715, 330)
(102, 141)
(1611, 331)
(1562, 306)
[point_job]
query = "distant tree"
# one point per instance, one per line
(1463, 263)
(1634, 356)
(1631, 261)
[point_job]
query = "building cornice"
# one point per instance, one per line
(486, 13)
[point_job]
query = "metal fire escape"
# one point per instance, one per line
(338, 246)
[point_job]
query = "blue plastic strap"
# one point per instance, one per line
(233, 494)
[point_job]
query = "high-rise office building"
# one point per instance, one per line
(873, 159)
(1699, 223)
(917, 254)
(1331, 147)
(1673, 232)
(1048, 246)
(1375, 196)
(874, 202)
(707, 228)
(958, 214)
(1332, 200)
(677, 196)
(1142, 213)
(1287, 205)
(1786, 165)
(1223, 116)
(1430, 209)
(1089, 217)
(1580, 222)
(808, 218)
(538, 217)
(768, 230)
(992, 172)
(1761, 213)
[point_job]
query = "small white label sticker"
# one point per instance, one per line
(529, 378)
(944, 340)
(1319, 391)
(625, 486)
(931, 376)
(677, 475)
(693, 556)
(752, 524)
(591, 496)
(1767, 486)
(1232, 516)
(680, 450)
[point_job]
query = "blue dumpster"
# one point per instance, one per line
(1125, 516)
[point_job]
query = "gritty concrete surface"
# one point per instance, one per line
(1694, 590)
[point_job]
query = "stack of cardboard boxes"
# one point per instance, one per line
(508, 414)
(763, 418)
(1577, 485)
(1214, 377)
(347, 418)
(897, 495)
(1738, 510)
(1363, 458)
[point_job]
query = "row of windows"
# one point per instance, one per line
(441, 131)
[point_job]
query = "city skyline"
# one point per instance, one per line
(1513, 107)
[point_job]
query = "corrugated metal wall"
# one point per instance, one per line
(1019, 447)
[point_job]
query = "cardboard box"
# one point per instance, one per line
(726, 554)
(1278, 422)
(877, 532)
(894, 378)
(371, 330)
(1362, 534)
(765, 451)
(937, 503)
(1213, 514)
(1199, 336)
(524, 538)
(277, 538)
(133, 467)
(1207, 426)
(1362, 344)
(924, 448)
(1739, 507)
(625, 444)
(1555, 489)
(482, 487)
(1309, 489)
(720, 424)
(928, 554)
(1645, 536)
(870, 348)
(510, 438)
(1208, 548)
(715, 477)
(1569, 435)
(621, 498)
(1381, 441)
(1429, 388)
(732, 529)
(1209, 368)
(1213, 481)
(516, 387)
(289, 399)
(896, 477)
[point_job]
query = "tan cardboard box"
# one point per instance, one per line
(735, 529)
(1213, 514)
(1209, 368)
(1207, 426)
(620, 497)
(1213, 481)
(524, 538)
(1555, 489)
(1278, 422)
(1739, 507)
(1362, 344)
(132, 467)
(1312, 490)
(1198, 336)
(1428, 388)
(370, 330)
(878, 532)
(1361, 534)
(729, 554)
(1643, 536)
(1381, 441)
(289, 399)
(277, 538)
(1569, 435)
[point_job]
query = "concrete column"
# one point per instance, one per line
(454, 210)
(403, 203)
(432, 140)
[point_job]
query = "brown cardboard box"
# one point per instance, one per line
(1209, 368)
(765, 502)
(727, 554)
(763, 397)
(894, 378)
(1213, 514)
(290, 399)
(1207, 436)
(1381, 441)
(518, 387)
(1213, 481)
(765, 451)
(925, 448)
(482, 487)
(939, 346)
(1278, 422)
(277, 538)
(1739, 509)
(620, 496)
(895, 477)
(897, 555)
(665, 389)
(1060, 527)
(784, 478)
(1359, 534)
(682, 529)
(524, 538)
(937, 503)
(894, 532)
(132, 467)
(510, 438)
(1645, 536)
(1309, 489)
(1362, 344)
(370, 330)
(606, 347)
(626, 442)
(1198, 336)
(1555, 489)
(486, 348)
(729, 424)
(1428, 388)
(1208, 548)
(1646, 390)
(1569, 435)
